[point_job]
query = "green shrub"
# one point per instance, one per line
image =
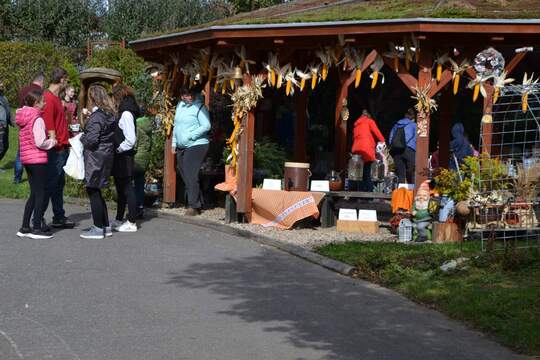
(21, 61)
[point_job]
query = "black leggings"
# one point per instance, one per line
(37, 176)
(188, 165)
(99, 208)
(125, 194)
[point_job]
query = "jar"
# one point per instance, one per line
(336, 184)
(355, 168)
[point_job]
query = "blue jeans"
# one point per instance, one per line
(138, 184)
(18, 168)
(56, 180)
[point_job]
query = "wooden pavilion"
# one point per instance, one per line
(293, 32)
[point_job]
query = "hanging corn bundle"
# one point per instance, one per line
(304, 77)
(376, 71)
(213, 65)
(424, 104)
(202, 61)
(271, 67)
(225, 76)
(395, 55)
(355, 61)
(500, 82)
(244, 61)
(281, 72)
(244, 99)
(526, 88)
(290, 82)
(457, 70)
(477, 84)
(165, 114)
(327, 57)
(411, 52)
(440, 61)
(314, 70)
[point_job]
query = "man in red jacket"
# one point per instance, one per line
(56, 124)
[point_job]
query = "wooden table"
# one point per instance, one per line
(328, 211)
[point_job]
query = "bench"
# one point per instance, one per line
(328, 210)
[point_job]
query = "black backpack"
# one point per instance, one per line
(399, 142)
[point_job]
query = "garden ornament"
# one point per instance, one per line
(420, 213)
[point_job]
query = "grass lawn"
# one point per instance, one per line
(497, 292)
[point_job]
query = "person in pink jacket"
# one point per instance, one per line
(366, 134)
(33, 146)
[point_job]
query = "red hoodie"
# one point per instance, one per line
(364, 135)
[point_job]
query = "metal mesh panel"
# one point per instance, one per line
(505, 205)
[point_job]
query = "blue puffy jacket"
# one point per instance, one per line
(191, 124)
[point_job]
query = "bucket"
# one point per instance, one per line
(296, 176)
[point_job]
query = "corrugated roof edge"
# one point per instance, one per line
(339, 23)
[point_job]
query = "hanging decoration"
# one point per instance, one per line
(315, 75)
(244, 99)
(489, 63)
(500, 82)
(281, 72)
(290, 82)
(214, 64)
(376, 68)
(244, 61)
(527, 88)
(328, 58)
(440, 61)
(478, 86)
(395, 55)
(457, 71)
(304, 77)
(355, 60)
(424, 104)
(271, 67)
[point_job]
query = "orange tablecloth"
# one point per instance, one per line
(283, 208)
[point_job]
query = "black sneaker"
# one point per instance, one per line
(64, 223)
(24, 232)
(39, 234)
(45, 227)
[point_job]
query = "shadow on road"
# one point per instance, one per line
(343, 318)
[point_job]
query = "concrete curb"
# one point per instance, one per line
(295, 250)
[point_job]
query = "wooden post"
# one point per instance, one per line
(487, 120)
(245, 162)
(423, 119)
(300, 127)
(169, 174)
(445, 126)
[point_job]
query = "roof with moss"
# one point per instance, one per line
(306, 11)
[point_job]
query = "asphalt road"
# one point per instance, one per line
(177, 291)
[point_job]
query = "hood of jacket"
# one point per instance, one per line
(404, 122)
(26, 115)
(458, 131)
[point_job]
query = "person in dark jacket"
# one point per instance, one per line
(405, 159)
(142, 158)
(459, 146)
(5, 122)
(98, 143)
(125, 138)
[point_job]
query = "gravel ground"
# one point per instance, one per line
(305, 237)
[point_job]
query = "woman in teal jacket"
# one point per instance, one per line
(190, 144)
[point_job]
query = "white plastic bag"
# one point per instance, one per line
(75, 163)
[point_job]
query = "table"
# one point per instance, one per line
(328, 211)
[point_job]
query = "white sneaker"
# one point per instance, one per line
(115, 224)
(127, 227)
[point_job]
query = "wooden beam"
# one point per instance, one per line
(423, 120)
(402, 73)
(300, 130)
(169, 174)
(438, 86)
(514, 62)
(487, 121)
(245, 162)
(340, 145)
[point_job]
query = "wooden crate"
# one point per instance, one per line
(446, 232)
(367, 227)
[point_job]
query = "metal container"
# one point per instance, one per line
(405, 230)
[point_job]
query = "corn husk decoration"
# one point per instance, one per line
(290, 82)
(304, 77)
(165, 115)
(213, 65)
(315, 72)
(328, 58)
(457, 71)
(440, 61)
(526, 88)
(500, 82)
(244, 61)
(225, 77)
(424, 104)
(244, 99)
(355, 62)
(202, 61)
(281, 72)
(409, 54)
(271, 67)
(395, 55)
(477, 84)
(376, 68)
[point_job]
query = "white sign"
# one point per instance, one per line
(406, 186)
(272, 184)
(347, 214)
(367, 215)
(320, 185)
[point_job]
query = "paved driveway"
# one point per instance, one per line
(177, 291)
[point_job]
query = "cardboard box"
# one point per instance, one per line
(366, 227)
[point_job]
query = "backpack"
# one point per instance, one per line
(399, 142)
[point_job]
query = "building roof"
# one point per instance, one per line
(305, 11)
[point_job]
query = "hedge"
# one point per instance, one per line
(21, 61)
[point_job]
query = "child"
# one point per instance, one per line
(70, 108)
(33, 143)
(98, 142)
